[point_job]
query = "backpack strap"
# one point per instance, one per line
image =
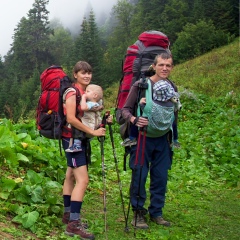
(173, 85)
(78, 96)
(71, 89)
(142, 86)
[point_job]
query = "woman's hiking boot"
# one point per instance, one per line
(139, 220)
(160, 221)
(65, 220)
(76, 228)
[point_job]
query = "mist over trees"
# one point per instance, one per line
(193, 27)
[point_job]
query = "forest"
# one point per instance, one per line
(194, 27)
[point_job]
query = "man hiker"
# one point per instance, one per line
(152, 153)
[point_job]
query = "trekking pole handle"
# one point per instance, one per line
(143, 129)
(104, 119)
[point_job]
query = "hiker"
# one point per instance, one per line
(76, 179)
(157, 156)
(91, 99)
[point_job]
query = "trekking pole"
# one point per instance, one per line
(142, 130)
(101, 139)
(118, 175)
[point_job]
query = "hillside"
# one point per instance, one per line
(213, 74)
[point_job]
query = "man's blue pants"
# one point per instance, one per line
(157, 161)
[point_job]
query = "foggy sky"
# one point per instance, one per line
(69, 12)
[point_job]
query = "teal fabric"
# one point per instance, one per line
(160, 117)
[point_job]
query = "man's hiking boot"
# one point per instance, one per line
(139, 220)
(76, 228)
(176, 144)
(160, 221)
(65, 220)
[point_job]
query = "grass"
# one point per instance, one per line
(203, 194)
(197, 210)
(195, 213)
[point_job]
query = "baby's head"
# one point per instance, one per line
(94, 93)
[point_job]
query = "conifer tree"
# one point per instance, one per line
(95, 58)
(173, 18)
(62, 44)
(88, 48)
(118, 41)
(30, 46)
(148, 16)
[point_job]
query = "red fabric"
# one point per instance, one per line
(47, 104)
(47, 80)
(50, 80)
(128, 64)
(124, 90)
(153, 39)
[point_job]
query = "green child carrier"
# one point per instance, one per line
(160, 115)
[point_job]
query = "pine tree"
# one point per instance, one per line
(88, 48)
(31, 46)
(148, 16)
(62, 44)
(174, 17)
(96, 56)
(118, 41)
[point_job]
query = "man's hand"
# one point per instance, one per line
(140, 122)
(109, 119)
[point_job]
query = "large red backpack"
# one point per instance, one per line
(50, 117)
(138, 59)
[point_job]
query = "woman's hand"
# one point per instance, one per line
(100, 132)
(96, 109)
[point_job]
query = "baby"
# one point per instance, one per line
(91, 104)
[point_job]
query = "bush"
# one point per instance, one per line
(197, 39)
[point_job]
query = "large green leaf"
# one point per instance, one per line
(37, 194)
(22, 194)
(30, 219)
(4, 195)
(34, 177)
(22, 157)
(24, 137)
(7, 185)
(53, 184)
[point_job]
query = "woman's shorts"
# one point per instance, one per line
(74, 159)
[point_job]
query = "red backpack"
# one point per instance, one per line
(137, 61)
(50, 117)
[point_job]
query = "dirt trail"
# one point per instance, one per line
(4, 235)
(7, 236)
